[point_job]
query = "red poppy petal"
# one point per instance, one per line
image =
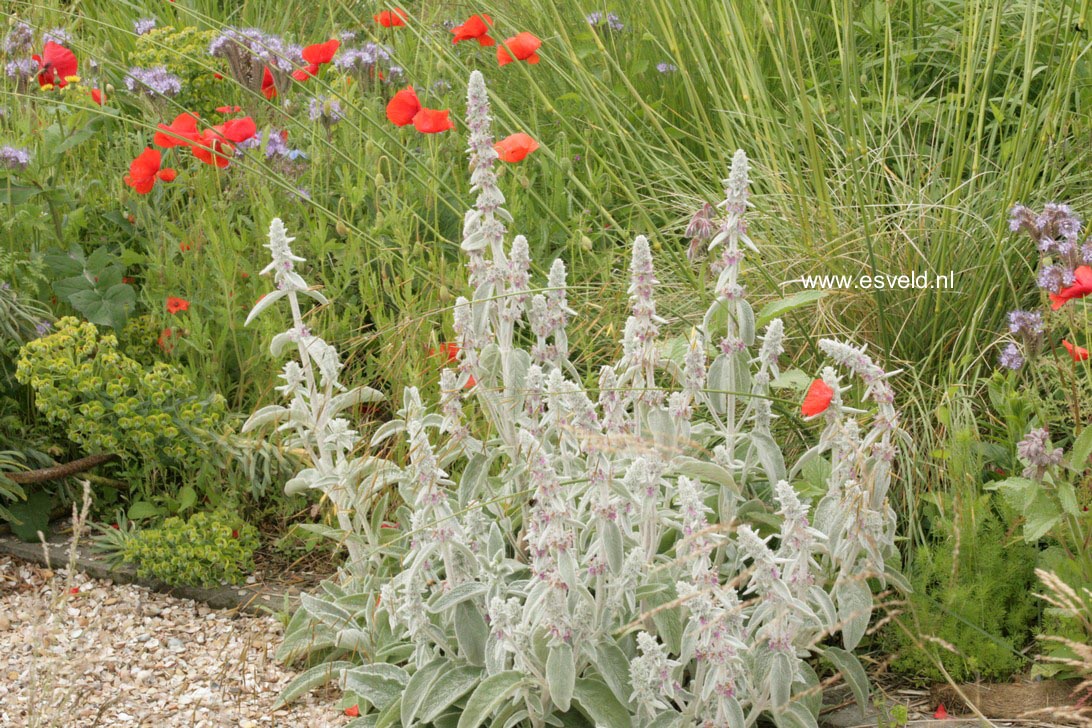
(239, 130)
(817, 399)
(167, 175)
(403, 107)
(60, 59)
(321, 52)
(432, 121)
(1078, 353)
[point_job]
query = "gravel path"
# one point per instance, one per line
(76, 652)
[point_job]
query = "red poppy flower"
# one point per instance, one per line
(216, 145)
(391, 18)
(352, 711)
(182, 132)
(316, 55)
(522, 48)
(269, 88)
(1080, 288)
(174, 305)
(228, 109)
(55, 65)
(144, 171)
(940, 713)
(432, 121)
(515, 147)
(817, 399)
(1079, 353)
(74, 590)
(97, 97)
(475, 28)
(403, 107)
(184, 246)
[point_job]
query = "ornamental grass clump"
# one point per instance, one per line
(636, 555)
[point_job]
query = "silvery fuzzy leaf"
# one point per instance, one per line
(781, 679)
(280, 341)
(662, 427)
(796, 715)
(734, 711)
(715, 323)
(666, 719)
(493, 692)
(517, 362)
(326, 611)
(611, 538)
(265, 415)
(854, 600)
(302, 482)
(852, 672)
(352, 639)
(503, 214)
(897, 579)
(598, 703)
(388, 430)
(355, 396)
(495, 655)
(379, 684)
(613, 666)
(413, 697)
(447, 689)
(489, 365)
(267, 300)
(496, 543)
(473, 242)
(745, 318)
(827, 611)
(703, 470)
(566, 566)
(310, 679)
(311, 293)
(561, 675)
(474, 477)
(769, 454)
(471, 632)
(442, 601)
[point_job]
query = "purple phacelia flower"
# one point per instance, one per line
(665, 67)
(1037, 452)
(155, 81)
(1010, 357)
(14, 158)
(143, 25)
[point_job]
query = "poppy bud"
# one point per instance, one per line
(380, 180)
(585, 243)
(369, 149)
(341, 228)
(444, 294)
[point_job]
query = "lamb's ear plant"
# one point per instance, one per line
(636, 556)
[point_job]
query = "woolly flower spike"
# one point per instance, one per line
(483, 227)
(288, 282)
(772, 347)
(650, 674)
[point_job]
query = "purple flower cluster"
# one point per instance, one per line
(1057, 232)
(19, 41)
(363, 59)
(325, 110)
(14, 158)
(21, 69)
(1040, 455)
(59, 36)
(155, 81)
(665, 67)
(143, 26)
(1027, 328)
(610, 20)
(263, 47)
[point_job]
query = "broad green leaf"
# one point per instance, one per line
(32, 515)
(1082, 449)
(597, 701)
(773, 309)
(489, 696)
(141, 509)
(1040, 516)
(561, 675)
(449, 687)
